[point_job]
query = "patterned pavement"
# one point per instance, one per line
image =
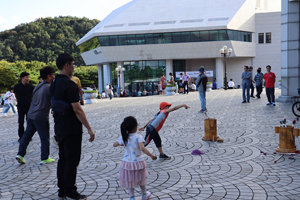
(234, 169)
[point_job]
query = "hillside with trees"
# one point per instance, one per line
(45, 38)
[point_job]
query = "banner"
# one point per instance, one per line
(195, 74)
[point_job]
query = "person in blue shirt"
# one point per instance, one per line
(215, 85)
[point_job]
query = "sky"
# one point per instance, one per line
(15, 12)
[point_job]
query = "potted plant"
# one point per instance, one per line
(170, 89)
(279, 83)
(208, 86)
(90, 96)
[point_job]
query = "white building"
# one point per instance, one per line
(150, 37)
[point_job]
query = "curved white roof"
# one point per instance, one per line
(146, 16)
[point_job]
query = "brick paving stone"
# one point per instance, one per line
(234, 169)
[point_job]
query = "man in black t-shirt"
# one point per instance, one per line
(68, 128)
(23, 92)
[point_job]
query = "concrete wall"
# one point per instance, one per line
(268, 53)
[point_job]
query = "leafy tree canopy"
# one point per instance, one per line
(45, 38)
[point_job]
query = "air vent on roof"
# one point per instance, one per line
(164, 22)
(114, 25)
(191, 21)
(139, 24)
(218, 19)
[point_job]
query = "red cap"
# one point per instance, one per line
(164, 104)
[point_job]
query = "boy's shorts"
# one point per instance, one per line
(152, 134)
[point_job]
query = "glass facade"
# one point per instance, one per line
(177, 37)
(89, 45)
(140, 75)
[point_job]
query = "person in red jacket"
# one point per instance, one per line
(270, 79)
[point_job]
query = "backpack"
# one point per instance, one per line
(2, 101)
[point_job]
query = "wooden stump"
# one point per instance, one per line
(296, 132)
(210, 130)
(286, 140)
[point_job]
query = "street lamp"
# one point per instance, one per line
(119, 70)
(225, 53)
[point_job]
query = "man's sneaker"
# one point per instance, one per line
(76, 197)
(202, 111)
(268, 103)
(244, 101)
(49, 160)
(273, 104)
(4, 114)
(146, 196)
(253, 96)
(164, 156)
(20, 159)
(248, 101)
(54, 141)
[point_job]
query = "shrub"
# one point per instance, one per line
(90, 91)
(209, 83)
(171, 85)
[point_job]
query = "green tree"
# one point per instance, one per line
(7, 78)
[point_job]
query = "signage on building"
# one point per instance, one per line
(195, 74)
(97, 52)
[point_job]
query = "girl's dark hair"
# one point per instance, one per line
(127, 126)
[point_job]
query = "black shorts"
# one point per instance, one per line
(152, 134)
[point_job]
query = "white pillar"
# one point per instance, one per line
(169, 68)
(100, 78)
(290, 53)
(220, 71)
(106, 74)
(122, 80)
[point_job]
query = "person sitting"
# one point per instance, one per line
(103, 94)
(155, 92)
(124, 93)
(121, 93)
(230, 84)
(145, 93)
(193, 87)
(215, 85)
(149, 93)
(139, 93)
(134, 94)
(116, 94)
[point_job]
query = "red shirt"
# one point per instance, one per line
(269, 79)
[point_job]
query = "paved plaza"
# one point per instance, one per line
(234, 169)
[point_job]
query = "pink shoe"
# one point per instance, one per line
(146, 196)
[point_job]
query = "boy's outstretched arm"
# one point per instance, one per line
(143, 128)
(176, 108)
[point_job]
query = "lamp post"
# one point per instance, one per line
(119, 70)
(225, 53)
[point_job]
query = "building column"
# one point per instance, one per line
(121, 80)
(220, 71)
(290, 53)
(169, 68)
(106, 74)
(100, 78)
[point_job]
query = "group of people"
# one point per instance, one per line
(268, 80)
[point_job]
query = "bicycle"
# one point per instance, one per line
(296, 104)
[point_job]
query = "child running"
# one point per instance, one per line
(133, 171)
(155, 124)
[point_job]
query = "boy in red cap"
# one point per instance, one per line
(155, 124)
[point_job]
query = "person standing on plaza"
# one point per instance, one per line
(163, 83)
(38, 118)
(133, 172)
(186, 80)
(78, 83)
(68, 127)
(23, 92)
(106, 88)
(201, 85)
(251, 85)
(180, 83)
(246, 82)
(109, 91)
(258, 82)
(270, 79)
(171, 81)
(8, 98)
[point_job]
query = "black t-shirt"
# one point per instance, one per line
(66, 90)
(24, 94)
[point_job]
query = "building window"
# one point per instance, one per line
(268, 37)
(261, 38)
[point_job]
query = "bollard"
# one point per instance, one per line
(286, 140)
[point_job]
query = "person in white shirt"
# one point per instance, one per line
(8, 97)
(103, 94)
(106, 89)
(230, 84)
(193, 87)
